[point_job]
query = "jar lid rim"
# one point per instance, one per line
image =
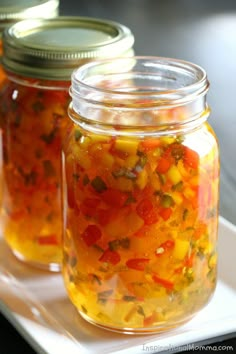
(54, 48)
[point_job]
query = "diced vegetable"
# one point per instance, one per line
(109, 256)
(150, 144)
(168, 284)
(165, 213)
(48, 240)
(127, 146)
(137, 263)
(181, 249)
(191, 158)
(174, 175)
(114, 197)
(163, 165)
(91, 235)
(98, 184)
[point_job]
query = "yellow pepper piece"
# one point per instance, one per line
(178, 199)
(124, 225)
(157, 152)
(142, 179)
(155, 182)
(206, 246)
(212, 261)
(84, 142)
(128, 146)
(133, 223)
(96, 138)
(181, 249)
(115, 228)
(188, 193)
(167, 140)
(174, 175)
(107, 160)
(182, 169)
(131, 161)
(82, 157)
(124, 184)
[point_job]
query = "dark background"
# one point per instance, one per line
(201, 31)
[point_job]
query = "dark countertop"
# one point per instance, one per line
(201, 31)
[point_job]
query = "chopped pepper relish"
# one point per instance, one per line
(33, 121)
(141, 224)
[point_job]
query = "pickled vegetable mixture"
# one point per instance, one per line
(32, 120)
(141, 226)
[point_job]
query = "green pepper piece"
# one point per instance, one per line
(167, 201)
(98, 184)
(77, 135)
(129, 298)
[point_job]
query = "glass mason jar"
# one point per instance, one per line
(12, 11)
(140, 194)
(33, 118)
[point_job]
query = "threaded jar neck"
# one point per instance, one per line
(139, 92)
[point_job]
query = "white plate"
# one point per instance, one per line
(37, 305)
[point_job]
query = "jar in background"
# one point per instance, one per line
(14, 10)
(140, 194)
(39, 57)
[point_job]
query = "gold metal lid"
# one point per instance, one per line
(52, 49)
(15, 10)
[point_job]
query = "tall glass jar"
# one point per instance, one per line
(140, 194)
(33, 118)
(12, 11)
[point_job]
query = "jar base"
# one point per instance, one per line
(136, 331)
(52, 267)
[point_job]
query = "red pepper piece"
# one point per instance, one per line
(163, 165)
(48, 240)
(165, 213)
(168, 284)
(109, 256)
(189, 260)
(169, 244)
(146, 211)
(151, 218)
(114, 197)
(91, 235)
(148, 321)
(144, 208)
(150, 144)
(137, 263)
(191, 158)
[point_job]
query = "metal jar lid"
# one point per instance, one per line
(52, 49)
(15, 10)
